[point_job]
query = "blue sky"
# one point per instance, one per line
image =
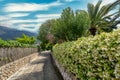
(30, 14)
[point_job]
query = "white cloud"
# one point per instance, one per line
(48, 15)
(6, 24)
(4, 18)
(104, 2)
(38, 18)
(107, 1)
(22, 21)
(18, 15)
(18, 21)
(27, 25)
(34, 28)
(24, 24)
(26, 7)
(11, 16)
(44, 17)
(67, 0)
(12, 22)
(15, 21)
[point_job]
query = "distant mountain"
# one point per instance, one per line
(9, 33)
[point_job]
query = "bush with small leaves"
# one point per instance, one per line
(91, 58)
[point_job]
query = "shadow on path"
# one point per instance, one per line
(50, 71)
(41, 68)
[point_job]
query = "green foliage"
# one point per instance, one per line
(100, 16)
(13, 43)
(91, 58)
(26, 39)
(82, 22)
(46, 46)
(70, 25)
(44, 33)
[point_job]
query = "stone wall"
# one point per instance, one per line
(11, 54)
(10, 68)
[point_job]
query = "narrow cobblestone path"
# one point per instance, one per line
(41, 68)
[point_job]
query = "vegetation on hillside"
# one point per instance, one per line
(24, 41)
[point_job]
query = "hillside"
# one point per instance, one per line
(9, 33)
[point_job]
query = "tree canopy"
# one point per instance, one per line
(26, 39)
(70, 25)
(100, 16)
(74, 24)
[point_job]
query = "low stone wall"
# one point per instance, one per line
(63, 72)
(10, 68)
(11, 54)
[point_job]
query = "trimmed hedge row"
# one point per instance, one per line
(13, 43)
(91, 58)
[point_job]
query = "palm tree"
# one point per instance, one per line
(99, 16)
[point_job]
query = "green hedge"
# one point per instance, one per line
(13, 43)
(91, 58)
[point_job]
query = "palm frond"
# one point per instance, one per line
(90, 10)
(110, 15)
(96, 9)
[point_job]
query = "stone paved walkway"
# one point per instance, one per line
(40, 68)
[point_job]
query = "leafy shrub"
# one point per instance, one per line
(46, 46)
(13, 43)
(26, 39)
(91, 58)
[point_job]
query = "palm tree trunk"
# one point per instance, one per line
(93, 31)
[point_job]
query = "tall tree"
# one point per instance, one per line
(99, 16)
(44, 35)
(63, 26)
(70, 25)
(82, 23)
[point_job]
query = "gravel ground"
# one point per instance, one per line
(41, 68)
